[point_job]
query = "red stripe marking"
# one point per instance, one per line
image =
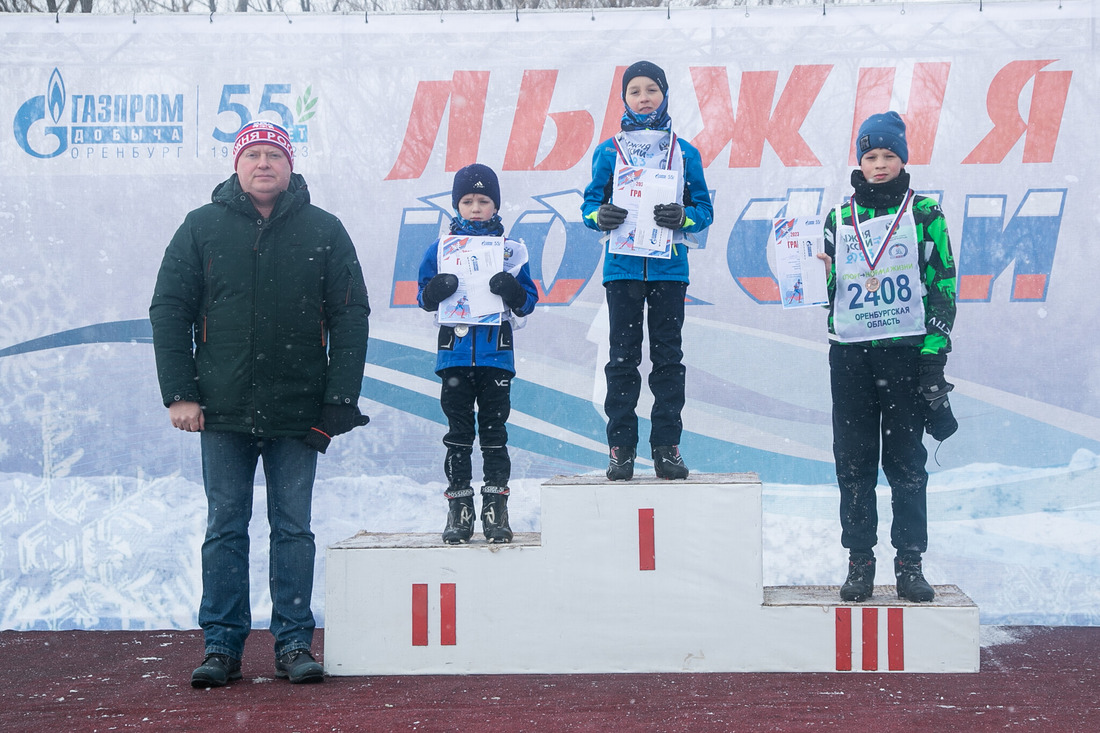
(870, 639)
(647, 550)
(895, 643)
(762, 289)
(843, 639)
(1029, 287)
(447, 623)
(420, 614)
(975, 287)
(404, 292)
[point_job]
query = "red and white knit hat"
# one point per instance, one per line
(262, 133)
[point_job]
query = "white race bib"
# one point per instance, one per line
(878, 287)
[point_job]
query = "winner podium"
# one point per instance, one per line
(638, 576)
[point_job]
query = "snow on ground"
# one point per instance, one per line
(115, 552)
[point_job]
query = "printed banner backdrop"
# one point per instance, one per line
(114, 128)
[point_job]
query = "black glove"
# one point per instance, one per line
(438, 289)
(669, 216)
(938, 418)
(610, 217)
(335, 420)
(508, 288)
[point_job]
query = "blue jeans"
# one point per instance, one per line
(229, 469)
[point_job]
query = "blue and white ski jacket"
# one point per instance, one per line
(695, 199)
(481, 346)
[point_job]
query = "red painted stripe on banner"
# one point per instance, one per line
(895, 642)
(647, 550)
(870, 639)
(843, 640)
(447, 614)
(420, 614)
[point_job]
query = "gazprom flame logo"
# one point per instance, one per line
(26, 125)
(56, 94)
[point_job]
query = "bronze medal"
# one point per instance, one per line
(461, 330)
(872, 284)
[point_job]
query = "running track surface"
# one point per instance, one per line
(1032, 678)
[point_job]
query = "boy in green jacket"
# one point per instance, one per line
(891, 282)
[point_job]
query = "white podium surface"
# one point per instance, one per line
(638, 576)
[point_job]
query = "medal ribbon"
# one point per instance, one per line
(893, 228)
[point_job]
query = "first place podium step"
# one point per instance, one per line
(638, 576)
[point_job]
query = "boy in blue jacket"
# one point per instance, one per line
(476, 363)
(633, 283)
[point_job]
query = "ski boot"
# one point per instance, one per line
(494, 514)
(460, 515)
(860, 584)
(911, 583)
(620, 466)
(668, 463)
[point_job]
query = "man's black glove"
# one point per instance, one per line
(938, 418)
(508, 288)
(610, 217)
(438, 289)
(335, 420)
(669, 216)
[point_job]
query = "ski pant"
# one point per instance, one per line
(490, 389)
(661, 304)
(877, 403)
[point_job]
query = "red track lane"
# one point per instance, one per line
(1048, 680)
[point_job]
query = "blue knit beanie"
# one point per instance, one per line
(886, 130)
(476, 178)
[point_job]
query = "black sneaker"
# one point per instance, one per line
(861, 578)
(494, 514)
(299, 666)
(911, 583)
(620, 466)
(668, 463)
(460, 520)
(216, 670)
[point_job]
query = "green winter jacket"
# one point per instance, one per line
(260, 321)
(937, 268)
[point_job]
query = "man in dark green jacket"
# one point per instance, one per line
(260, 334)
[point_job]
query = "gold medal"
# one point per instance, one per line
(872, 284)
(461, 330)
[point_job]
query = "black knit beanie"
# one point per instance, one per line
(647, 69)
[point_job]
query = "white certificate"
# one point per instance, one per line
(474, 260)
(796, 242)
(639, 190)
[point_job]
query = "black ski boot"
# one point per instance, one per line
(668, 463)
(620, 466)
(861, 577)
(460, 515)
(494, 514)
(911, 583)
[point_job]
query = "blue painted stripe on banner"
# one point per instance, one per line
(137, 331)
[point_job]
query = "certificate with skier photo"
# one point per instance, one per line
(796, 242)
(474, 260)
(639, 190)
